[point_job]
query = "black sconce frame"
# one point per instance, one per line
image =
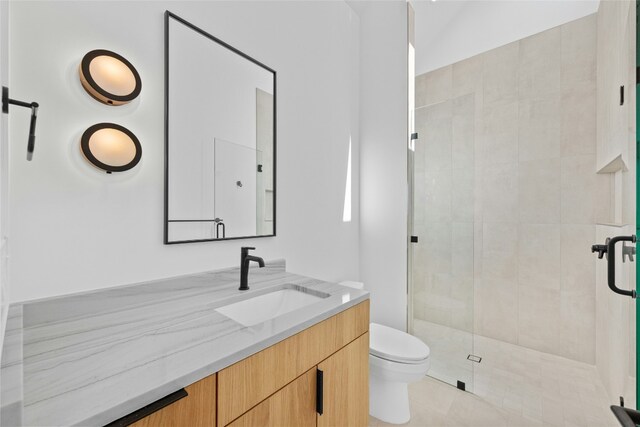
(6, 101)
(96, 91)
(86, 150)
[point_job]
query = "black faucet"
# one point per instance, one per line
(245, 258)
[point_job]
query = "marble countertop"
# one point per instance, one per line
(91, 358)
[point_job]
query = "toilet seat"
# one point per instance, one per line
(396, 346)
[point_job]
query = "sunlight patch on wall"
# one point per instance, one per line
(346, 212)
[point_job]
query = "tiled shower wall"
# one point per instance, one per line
(506, 194)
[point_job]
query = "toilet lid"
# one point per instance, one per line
(392, 344)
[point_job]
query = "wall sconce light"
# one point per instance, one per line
(109, 78)
(111, 147)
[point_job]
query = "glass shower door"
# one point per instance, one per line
(441, 253)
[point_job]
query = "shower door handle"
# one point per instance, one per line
(610, 250)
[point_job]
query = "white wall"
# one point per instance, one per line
(4, 172)
(383, 159)
(76, 229)
(450, 31)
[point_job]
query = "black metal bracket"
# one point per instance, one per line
(601, 249)
(6, 101)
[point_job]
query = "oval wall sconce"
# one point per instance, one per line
(109, 78)
(111, 147)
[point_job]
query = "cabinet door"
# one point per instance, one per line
(198, 409)
(294, 405)
(345, 389)
(245, 384)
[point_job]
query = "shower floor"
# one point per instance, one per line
(513, 382)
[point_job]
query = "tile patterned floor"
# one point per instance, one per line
(513, 386)
(449, 350)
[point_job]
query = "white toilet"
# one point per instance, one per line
(395, 360)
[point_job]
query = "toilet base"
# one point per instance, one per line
(389, 400)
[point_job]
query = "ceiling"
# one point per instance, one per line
(448, 31)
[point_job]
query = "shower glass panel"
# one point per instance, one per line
(442, 162)
(526, 157)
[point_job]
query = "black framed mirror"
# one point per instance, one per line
(220, 139)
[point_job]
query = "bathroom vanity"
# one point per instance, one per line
(163, 353)
(316, 377)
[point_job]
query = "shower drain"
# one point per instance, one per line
(474, 358)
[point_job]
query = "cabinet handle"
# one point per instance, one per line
(319, 391)
(149, 409)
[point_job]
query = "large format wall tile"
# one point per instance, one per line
(578, 127)
(433, 87)
(437, 186)
(578, 189)
(579, 51)
(419, 200)
(578, 292)
(539, 65)
(500, 252)
(539, 128)
(539, 256)
(462, 249)
(500, 193)
(462, 303)
(497, 309)
(462, 194)
(579, 263)
(500, 73)
(577, 323)
(437, 249)
(467, 76)
(463, 132)
(539, 185)
(539, 317)
(433, 125)
(499, 134)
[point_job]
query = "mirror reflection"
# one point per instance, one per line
(220, 138)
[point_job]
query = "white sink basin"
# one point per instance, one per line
(268, 306)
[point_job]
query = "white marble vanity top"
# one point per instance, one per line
(91, 358)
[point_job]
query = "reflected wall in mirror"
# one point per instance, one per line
(220, 139)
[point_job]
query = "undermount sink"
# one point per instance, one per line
(267, 306)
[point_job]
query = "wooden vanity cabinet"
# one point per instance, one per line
(279, 386)
(197, 409)
(345, 390)
(293, 405)
(346, 385)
